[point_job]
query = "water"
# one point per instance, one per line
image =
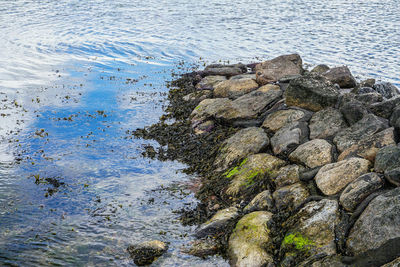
(76, 76)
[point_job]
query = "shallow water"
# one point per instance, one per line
(76, 76)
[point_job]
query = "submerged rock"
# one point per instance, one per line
(234, 88)
(249, 239)
(286, 139)
(262, 201)
(245, 142)
(341, 76)
(311, 92)
(386, 89)
(218, 222)
(290, 196)
(332, 178)
(280, 118)
(275, 69)
(314, 153)
(209, 82)
(325, 123)
(147, 252)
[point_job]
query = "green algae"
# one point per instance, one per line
(299, 241)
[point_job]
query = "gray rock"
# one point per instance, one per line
(325, 123)
(245, 142)
(286, 139)
(290, 196)
(395, 115)
(353, 111)
(369, 98)
(386, 89)
(329, 261)
(204, 127)
(322, 68)
(147, 252)
(394, 263)
(393, 176)
(275, 69)
(248, 241)
(262, 201)
(367, 126)
(359, 189)
(311, 92)
(367, 83)
(377, 225)
(208, 83)
(244, 76)
(288, 175)
(387, 158)
(341, 76)
(280, 118)
(224, 70)
(366, 90)
(332, 178)
(235, 88)
(385, 109)
(202, 248)
(198, 96)
(314, 153)
(218, 222)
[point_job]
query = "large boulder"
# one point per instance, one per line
(325, 123)
(208, 83)
(386, 89)
(290, 196)
(311, 92)
(332, 178)
(235, 88)
(377, 225)
(341, 76)
(250, 170)
(249, 239)
(314, 153)
(286, 139)
(367, 126)
(356, 191)
(353, 111)
(275, 69)
(147, 252)
(288, 175)
(369, 146)
(262, 201)
(218, 222)
(245, 142)
(388, 161)
(280, 118)
(322, 68)
(385, 108)
(395, 115)
(311, 231)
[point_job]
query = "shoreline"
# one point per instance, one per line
(295, 165)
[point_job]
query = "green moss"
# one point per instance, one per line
(299, 241)
(198, 107)
(236, 170)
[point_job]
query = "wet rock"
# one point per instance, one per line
(341, 76)
(147, 252)
(204, 127)
(314, 153)
(325, 123)
(353, 111)
(319, 69)
(280, 118)
(248, 241)
(369, 146)
(387, 158)
(250, 170)
(218, 222)
(369, 98)
(394, 263)
(385, 109)
(310, 232)
(367, 83)
(198, 96)
(202, 248)
(234, 88)
(224, 70)
(311, 92)
(275, 69)
(359, 189)
(377, 225)
(332, 178)
(386, 89)
(367, 126)
(262, 201)
(267, 87)
(288, 175)
(290, 196)
(289, 137)
(245, 142)
(209, 82)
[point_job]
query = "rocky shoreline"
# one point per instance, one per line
(297, 167)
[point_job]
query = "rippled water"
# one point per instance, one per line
(75, 76)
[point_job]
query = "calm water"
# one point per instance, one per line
(75, 76)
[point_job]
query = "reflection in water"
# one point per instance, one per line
(75, 76)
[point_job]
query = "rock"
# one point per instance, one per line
(244, 76)
(210, 108)
(369, 146)
(369, 98)
(286, 139)
(367, 83)
(377, 225)
(250, 171)
(314, 153)
(311, 231)
(367, 126)
(267, 87)
(234, 88)
(202, 248)
(262, 201)
(311, 92)
(147, 252)
(280, 118)
(387, 90)
(248, 241)
(329, 261)
(245, 142)
(224, 70)
(218, 222)
(387, 158)
(325, 123)
(322, 68)
(353, 111)
(341, 76)
(395, 115)
(198, 96)
(290, 196)
(385, 109)
(356, 191)
(332, 178)
(275, 69)
(394, 263)
(393, 176)
(209, 82)
(288, 175)
(366, 90)
(204, 127)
